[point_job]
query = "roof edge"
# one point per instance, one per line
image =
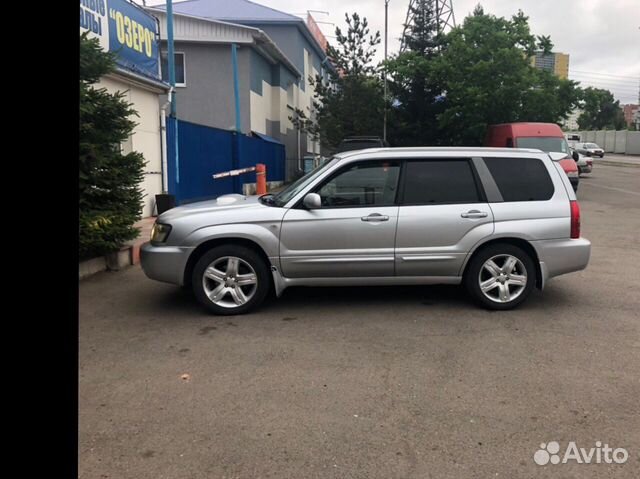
(257, 35)
(158, 86)
(303, 28)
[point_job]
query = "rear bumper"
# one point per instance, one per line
(164, 263)
(562, 256)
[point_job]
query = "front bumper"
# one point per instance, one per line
(562, 256)
(164, 263)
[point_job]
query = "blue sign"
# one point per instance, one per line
(126, 30)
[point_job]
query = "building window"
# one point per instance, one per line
(181, 77)
(290, 98)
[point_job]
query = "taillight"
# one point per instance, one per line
(575, 219)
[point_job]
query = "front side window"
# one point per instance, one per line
(521, 179)
(439, 182)
(180, 68)
(372, 183)
(284, 196)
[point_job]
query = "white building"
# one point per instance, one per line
(571, 123)
(137, 74)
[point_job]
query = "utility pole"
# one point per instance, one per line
(386, 29)
(171, 59)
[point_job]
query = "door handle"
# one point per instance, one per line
(475, 214)
(375, 217)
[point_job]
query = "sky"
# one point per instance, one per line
(602, 37)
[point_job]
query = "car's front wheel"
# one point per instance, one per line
(230, 280)
(500, 276)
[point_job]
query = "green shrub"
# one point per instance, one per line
(110, 199)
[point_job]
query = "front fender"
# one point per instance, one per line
(266, 235)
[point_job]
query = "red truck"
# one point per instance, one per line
(547, 137)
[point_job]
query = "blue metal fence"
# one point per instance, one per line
(204, 151)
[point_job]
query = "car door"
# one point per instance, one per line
(352, 234)
(442, 215)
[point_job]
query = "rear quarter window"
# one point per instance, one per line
(521, 179)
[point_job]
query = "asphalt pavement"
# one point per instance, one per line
(386, 382)
(613, 159)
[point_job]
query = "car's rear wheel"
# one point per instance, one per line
(230, 280)
(500, 276)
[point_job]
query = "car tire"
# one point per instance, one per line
(230, 280)
(511, 268)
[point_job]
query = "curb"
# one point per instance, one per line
(127, 256)
(616, 163)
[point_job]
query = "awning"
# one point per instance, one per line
(268, 138)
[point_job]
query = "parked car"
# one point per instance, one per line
(352, 143)
(500, 221)
(585, 163)
(547, 137)
(589, 149)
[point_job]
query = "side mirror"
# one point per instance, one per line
(312, 201)
(575, 155)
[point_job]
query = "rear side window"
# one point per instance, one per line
(521, 179)
(439, 182)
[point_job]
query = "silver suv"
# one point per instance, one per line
(501, 221)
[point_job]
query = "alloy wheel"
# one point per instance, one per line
(230, 282)
(502, 278)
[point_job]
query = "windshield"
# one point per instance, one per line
(545, 143)
(294, 188)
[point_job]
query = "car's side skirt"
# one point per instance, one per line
(281, 282)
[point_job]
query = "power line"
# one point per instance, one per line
(609, 80)
(630, 84)
(605, 74)
(621, 82)
(619, 87)
(613, 90)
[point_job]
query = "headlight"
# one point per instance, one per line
(160, 232)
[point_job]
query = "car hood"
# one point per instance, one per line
(232, 202)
